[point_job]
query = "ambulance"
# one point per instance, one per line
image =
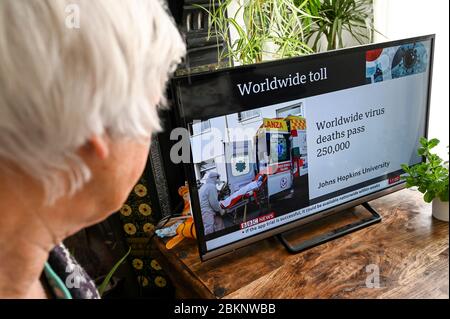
(297, 129)
(281, 153)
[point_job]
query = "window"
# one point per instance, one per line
(199, 127)
(247, 115)
(240, 165)
(240, 160)
(296, 109)
(279, 148)
(390, 26)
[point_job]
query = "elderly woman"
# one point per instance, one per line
(80, 83)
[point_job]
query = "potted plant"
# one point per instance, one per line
(265, 29)
(431, 178)
(340, 19)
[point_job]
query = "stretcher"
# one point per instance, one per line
(244, 196)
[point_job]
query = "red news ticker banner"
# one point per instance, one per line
(393, 180)
(255, 221)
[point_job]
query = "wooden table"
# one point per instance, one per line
(409, 247)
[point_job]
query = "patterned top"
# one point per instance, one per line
(66, 278)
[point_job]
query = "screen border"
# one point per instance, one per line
(189, 169)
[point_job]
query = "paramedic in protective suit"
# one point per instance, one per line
(209, 204)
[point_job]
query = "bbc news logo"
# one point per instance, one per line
(255, 221)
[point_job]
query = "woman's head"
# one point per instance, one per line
(78, 102)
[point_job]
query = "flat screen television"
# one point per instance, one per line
(278, 144)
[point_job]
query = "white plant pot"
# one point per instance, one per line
(270, 50)
(440, 210)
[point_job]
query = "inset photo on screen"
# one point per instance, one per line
(259, 165)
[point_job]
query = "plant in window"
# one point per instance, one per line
(271, 27)
(337, 17)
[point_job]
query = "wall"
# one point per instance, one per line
(397, 19)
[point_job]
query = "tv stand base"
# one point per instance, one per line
(335, 233)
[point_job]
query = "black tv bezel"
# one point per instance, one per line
(189, 169)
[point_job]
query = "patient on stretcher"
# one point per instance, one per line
(241, 193)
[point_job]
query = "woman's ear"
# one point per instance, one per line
(99, 144)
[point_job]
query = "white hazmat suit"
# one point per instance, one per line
(209, 205)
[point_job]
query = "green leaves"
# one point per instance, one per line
(427, 146)
(431, 177)
(334, 17)
(104, 284)
(433, 143)
(443, 196)
(429, 196)
(284, 28)
(276, 28)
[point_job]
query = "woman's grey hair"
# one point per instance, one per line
(62, 83)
